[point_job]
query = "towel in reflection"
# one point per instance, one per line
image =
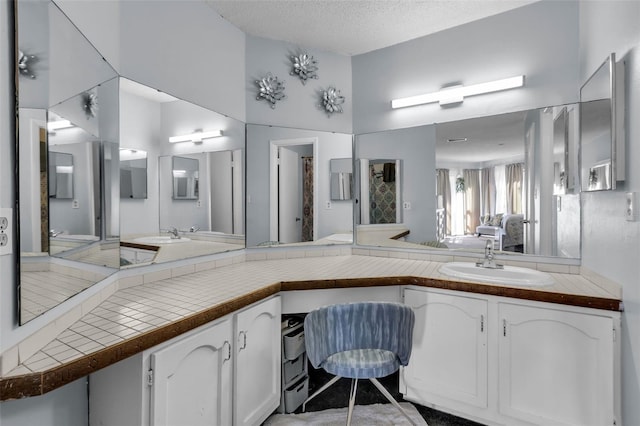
(389, 172)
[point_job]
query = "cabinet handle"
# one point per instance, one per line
(244, 339)
(504, 327)
(228, 345)
(481, 323)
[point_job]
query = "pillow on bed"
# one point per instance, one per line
(497, 220)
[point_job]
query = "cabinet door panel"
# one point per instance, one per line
(258, 362)
(192, 379)
(449, 357)
(556, 367)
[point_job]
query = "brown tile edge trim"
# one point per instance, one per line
(40, 383)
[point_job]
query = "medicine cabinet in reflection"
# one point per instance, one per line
(60, 175)
(133, 173)
(602, 127)
(185, 178)
(561, 174)
(341, 178)
(380, 191)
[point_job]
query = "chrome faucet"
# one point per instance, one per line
(489, 257)
(174, 233)
(54, 233)
(194, 228)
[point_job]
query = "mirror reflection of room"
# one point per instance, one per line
(194, 169)
(294, 195)
(496, 182)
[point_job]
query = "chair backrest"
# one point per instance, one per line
(366, 325)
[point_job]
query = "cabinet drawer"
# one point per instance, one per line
(295, 395)
(294, 368)
(293, 344)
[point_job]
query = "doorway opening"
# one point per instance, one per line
(293, 190)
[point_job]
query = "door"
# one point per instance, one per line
(556, 367)
(257, 363)
(192, 379)
(289, 196)
(449, 357)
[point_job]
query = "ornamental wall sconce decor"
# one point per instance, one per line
(305, 67)
(270, 89)
(332, 101)
(25, 64)
(90, 104)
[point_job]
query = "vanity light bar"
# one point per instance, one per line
(457, 93)
(196, 136)
(57, 125)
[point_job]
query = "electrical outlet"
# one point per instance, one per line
(75, 204)
(198, 203)
(406, 205)
(6, 243)
(328, 205)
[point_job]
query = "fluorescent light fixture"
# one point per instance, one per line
(57, 125)
(196, 136)
(455, 140)
(454, 94)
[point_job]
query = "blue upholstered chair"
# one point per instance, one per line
(359, 341)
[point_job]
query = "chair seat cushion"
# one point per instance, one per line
(362, 363)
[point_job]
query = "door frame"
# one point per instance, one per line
(274, 144)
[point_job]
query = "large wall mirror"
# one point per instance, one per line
(66, 145)
(72, 116)
(505, 178)
(289, 177)
(195, 168)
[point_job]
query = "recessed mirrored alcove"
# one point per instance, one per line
(507, 178)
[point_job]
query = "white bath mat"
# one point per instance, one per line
(363, 415)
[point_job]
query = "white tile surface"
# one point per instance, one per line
(160, 298)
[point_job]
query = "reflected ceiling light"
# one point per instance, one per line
(454, 140)
(196, 136)
(455, 94)
(57, 125)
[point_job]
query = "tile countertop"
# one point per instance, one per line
(141, 315)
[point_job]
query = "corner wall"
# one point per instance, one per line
(610, 244)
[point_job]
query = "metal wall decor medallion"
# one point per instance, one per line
(305, 67)
(332, 101)
(270, 89)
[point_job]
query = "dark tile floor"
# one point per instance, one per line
(337, 396)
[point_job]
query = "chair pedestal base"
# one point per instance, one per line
(352, 397)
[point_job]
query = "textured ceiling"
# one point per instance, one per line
(352, 27)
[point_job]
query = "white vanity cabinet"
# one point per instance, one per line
(504, 361)
(190, 379)
(257, 363)
(556, 367)
(449, 359)
(223, 373)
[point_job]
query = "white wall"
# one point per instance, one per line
(610, 244)
(68, 406)
(185, 49)
(7, 160)
(300, 108)
(330, 145)
(416, 148)
(538, 40)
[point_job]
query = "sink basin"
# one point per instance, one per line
(161, 239)
(510, 275)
